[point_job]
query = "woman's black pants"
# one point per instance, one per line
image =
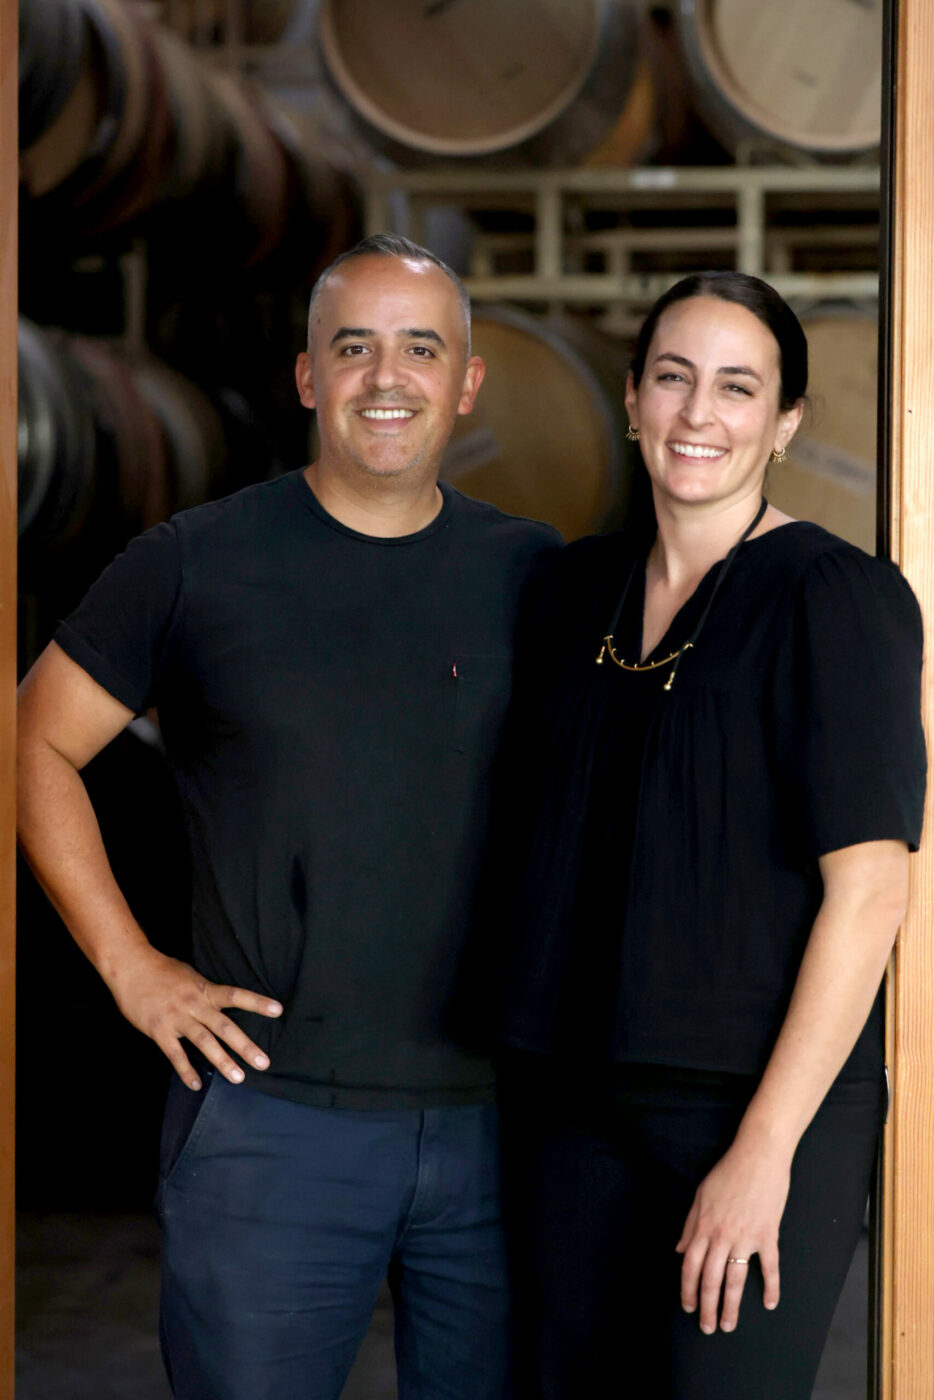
(600, 1176)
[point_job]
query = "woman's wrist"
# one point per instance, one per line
(771, 1134)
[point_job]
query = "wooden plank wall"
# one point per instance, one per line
(8, 188)
(908, 1275)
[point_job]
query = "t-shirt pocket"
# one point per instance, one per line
(482, 684)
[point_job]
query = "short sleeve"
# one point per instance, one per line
(122, 630)
(852, 746)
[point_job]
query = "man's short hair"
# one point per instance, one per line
(391, 245)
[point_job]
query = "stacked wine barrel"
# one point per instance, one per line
(123, 125)
(111, 442)
(124, 129)
(555, 80)
(127, 135)
(789, 77)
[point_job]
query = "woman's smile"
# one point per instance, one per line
(697, 449)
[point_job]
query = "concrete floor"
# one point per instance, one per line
(87, 1290)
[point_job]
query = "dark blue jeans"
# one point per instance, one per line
(280, 1223)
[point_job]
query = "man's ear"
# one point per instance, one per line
(305, 380)
(473, 378)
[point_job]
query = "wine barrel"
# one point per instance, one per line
(535, 80)
(260, 21)
(262, 180)
(52, 42)
(129, 83)
(134, 190)
(801, 76)
(325, 208)
(202, 140)
(655, 123)
(546, 437)
(134, 435)
(111, 442)
(67, 141)
(39, 391)
(118, 30)
(92, 132)
(149, 129)
(193, 429)
(830, 474)
(630, 140)
(57, 457)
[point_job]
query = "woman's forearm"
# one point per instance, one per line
(865, 889)
(738, 1207)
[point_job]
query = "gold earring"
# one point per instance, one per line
(632, 434)
(778, 456)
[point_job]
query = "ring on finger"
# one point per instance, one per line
(733, 1260)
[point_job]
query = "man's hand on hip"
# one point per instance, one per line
(169, 1001)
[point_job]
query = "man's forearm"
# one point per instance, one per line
(65, 719)
(61, 840)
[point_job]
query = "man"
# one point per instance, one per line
(330, 657)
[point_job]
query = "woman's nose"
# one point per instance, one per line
(697, 407)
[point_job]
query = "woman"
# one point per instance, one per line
(723, 775)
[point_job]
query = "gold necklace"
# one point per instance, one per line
(674, 659)
(610, 651)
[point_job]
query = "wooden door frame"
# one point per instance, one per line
(907, 1340)
(9, 162)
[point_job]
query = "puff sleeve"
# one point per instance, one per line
(847, 704)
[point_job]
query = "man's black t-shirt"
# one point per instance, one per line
(330, 704)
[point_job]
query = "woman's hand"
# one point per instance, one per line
(736, 1213)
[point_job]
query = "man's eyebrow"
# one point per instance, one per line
(351, 333)
(414, 333)
(724, 369)
(409, 333)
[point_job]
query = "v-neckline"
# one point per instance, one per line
(640, 605)
(660, 644)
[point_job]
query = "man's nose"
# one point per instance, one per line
(386, 370)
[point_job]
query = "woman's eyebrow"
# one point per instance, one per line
(724, 369)
(740, 369)
(678, 359)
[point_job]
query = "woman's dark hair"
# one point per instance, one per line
(759, 298)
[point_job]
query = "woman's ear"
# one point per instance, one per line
(632, 401)
(788, 425)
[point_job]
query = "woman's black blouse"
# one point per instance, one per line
(668, 841)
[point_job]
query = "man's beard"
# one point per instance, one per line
(386, 401)
(387, 471)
